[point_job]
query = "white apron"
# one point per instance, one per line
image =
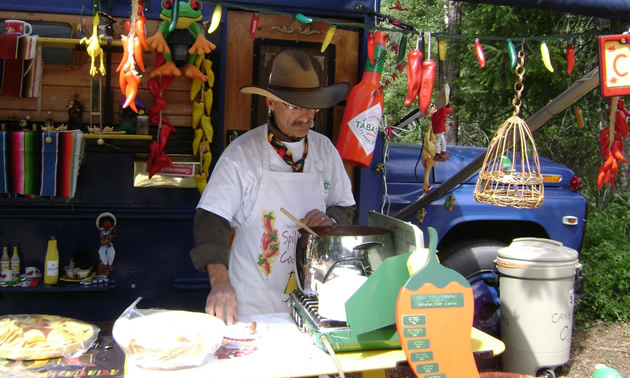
(262, 258)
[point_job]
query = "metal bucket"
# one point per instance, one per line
(339, 251)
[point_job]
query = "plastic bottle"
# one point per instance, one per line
(364, 111)
(49, 121)
(5, 261)
(51, 265)
(603, 371)
(15, 262)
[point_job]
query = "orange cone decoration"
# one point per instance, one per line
(364, 111)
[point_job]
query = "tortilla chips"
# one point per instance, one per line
(34, 337)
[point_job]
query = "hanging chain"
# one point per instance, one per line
(518, 86)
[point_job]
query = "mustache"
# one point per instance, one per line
(309, 123)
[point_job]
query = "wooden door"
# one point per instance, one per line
(249, 62)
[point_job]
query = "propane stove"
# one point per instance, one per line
(305, 312)
(369, 319)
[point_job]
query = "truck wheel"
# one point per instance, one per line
(474, 259)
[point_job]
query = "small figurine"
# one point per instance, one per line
(438, 123)
(128, 117)
(93, 47)
(186, 28)
(75, 110)
(106, 223)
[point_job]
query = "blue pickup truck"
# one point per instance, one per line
(470, 233)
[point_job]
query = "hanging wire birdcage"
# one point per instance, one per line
(510, 175)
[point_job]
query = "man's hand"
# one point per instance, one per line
(222, 299)
(316, 218)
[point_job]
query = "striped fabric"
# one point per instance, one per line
(23, 163)
(45, 164)
(48, 179)
(69, 163)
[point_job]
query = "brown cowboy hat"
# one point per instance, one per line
(293, 80)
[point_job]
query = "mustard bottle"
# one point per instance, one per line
(15, 263)
(51, 264)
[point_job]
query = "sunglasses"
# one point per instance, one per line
(297, 109)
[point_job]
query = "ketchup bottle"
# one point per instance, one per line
(364, 111)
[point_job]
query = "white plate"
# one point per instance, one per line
(23, 276)
(242, 331)
(169, 339)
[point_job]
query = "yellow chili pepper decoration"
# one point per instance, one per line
(199, 59)
(206, 125)
(207, 100)
(544, 51)
(329, 35)
(195, 87)
(442, 49)
(216, 19)
(206, 159)
(207, 69)
(197, 111)
(197, 141)
(200, 182)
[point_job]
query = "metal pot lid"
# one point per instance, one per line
(538, 249)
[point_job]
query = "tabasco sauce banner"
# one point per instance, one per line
(614, 64)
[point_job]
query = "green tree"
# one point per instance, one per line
(482, 101)
(482, 97)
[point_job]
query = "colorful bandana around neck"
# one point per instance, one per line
(285, 154)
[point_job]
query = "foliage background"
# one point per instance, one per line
(482, 101)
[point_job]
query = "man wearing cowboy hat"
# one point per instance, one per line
(280, 164)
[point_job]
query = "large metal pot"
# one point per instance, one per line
(338, 251)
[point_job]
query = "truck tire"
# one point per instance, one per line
(475, 260)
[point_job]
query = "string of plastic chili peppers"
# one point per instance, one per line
(158, 159)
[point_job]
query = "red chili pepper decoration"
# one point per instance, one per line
(479, 51)
(570, 58)
(414, 75)
(578, 116)
(398, 6)
(370, 47)
(140, 32)
(621, 123)
(611, 143)
(253, 26)
(426, 87)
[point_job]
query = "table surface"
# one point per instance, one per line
(284, 351)
(281, 350)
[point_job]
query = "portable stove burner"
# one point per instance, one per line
(305, 312)
(371, 309)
